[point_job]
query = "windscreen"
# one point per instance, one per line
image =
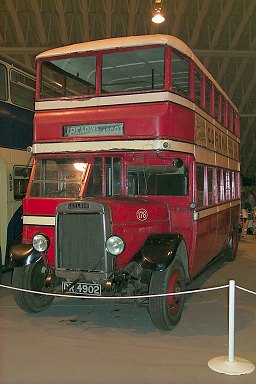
(61, 177)
(76, 177)
(129, 70)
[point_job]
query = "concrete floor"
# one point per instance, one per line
(92, 342)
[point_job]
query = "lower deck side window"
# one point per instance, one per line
(157, 180)
(215, 185)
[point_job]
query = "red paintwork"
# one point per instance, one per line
(141, 121)
(124, 218)
(134, 230)
(211, 237)
(204, 238)
(42, 207)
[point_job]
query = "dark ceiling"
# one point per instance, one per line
(221, 32)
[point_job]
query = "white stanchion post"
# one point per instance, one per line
(231, 328)
(229, 364)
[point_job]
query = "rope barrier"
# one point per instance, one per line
(246, 290)
(78, 296)
(229, 365)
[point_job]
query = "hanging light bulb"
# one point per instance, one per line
(158, 18)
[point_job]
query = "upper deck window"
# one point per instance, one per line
(134, 70)
(22, 89)
(217, 114)
(75, 76)
(180, 74)
(208, 90)
(223, 108)
(3, 82)
(198, 86)
(125, 71)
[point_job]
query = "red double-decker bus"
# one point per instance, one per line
(135, 182)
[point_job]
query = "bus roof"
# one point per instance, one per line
(118, 42)
(131, 41)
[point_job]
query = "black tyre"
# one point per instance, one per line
(233, 244)
(166, 311)
(30, 277)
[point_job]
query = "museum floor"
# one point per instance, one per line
(92, 342)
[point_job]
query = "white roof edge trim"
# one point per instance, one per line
(132, 41)
(118, 42)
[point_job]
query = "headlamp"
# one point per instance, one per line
(115, 245)
(40, 242)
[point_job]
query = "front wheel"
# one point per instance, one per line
(166, 311)
(31, 277)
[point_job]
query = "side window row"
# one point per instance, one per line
(190, 81)
(216, 185)
(22, 87)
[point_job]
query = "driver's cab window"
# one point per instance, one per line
(95, 181)
(109, 168)
(113, 176)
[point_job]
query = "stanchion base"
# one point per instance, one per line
(238, 367)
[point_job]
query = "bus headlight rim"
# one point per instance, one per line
(115, 245)
(40, 242)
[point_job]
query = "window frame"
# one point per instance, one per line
(186, 60)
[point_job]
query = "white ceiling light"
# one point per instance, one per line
(158, 18)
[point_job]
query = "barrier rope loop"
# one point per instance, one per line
(113, 297)
(125, 297)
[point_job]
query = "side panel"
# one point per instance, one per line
(223, 230)
(212, 234)
(206, 233)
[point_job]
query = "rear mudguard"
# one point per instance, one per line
(23, 254)
(159, 251)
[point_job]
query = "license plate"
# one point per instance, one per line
(82, 288)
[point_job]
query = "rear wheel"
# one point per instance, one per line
(166, 311)
(31, 277)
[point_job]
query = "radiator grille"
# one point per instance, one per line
(80, 241)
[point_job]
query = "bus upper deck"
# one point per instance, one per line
(147, 81)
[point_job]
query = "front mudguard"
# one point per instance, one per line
(23, 254)
(159, 250)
